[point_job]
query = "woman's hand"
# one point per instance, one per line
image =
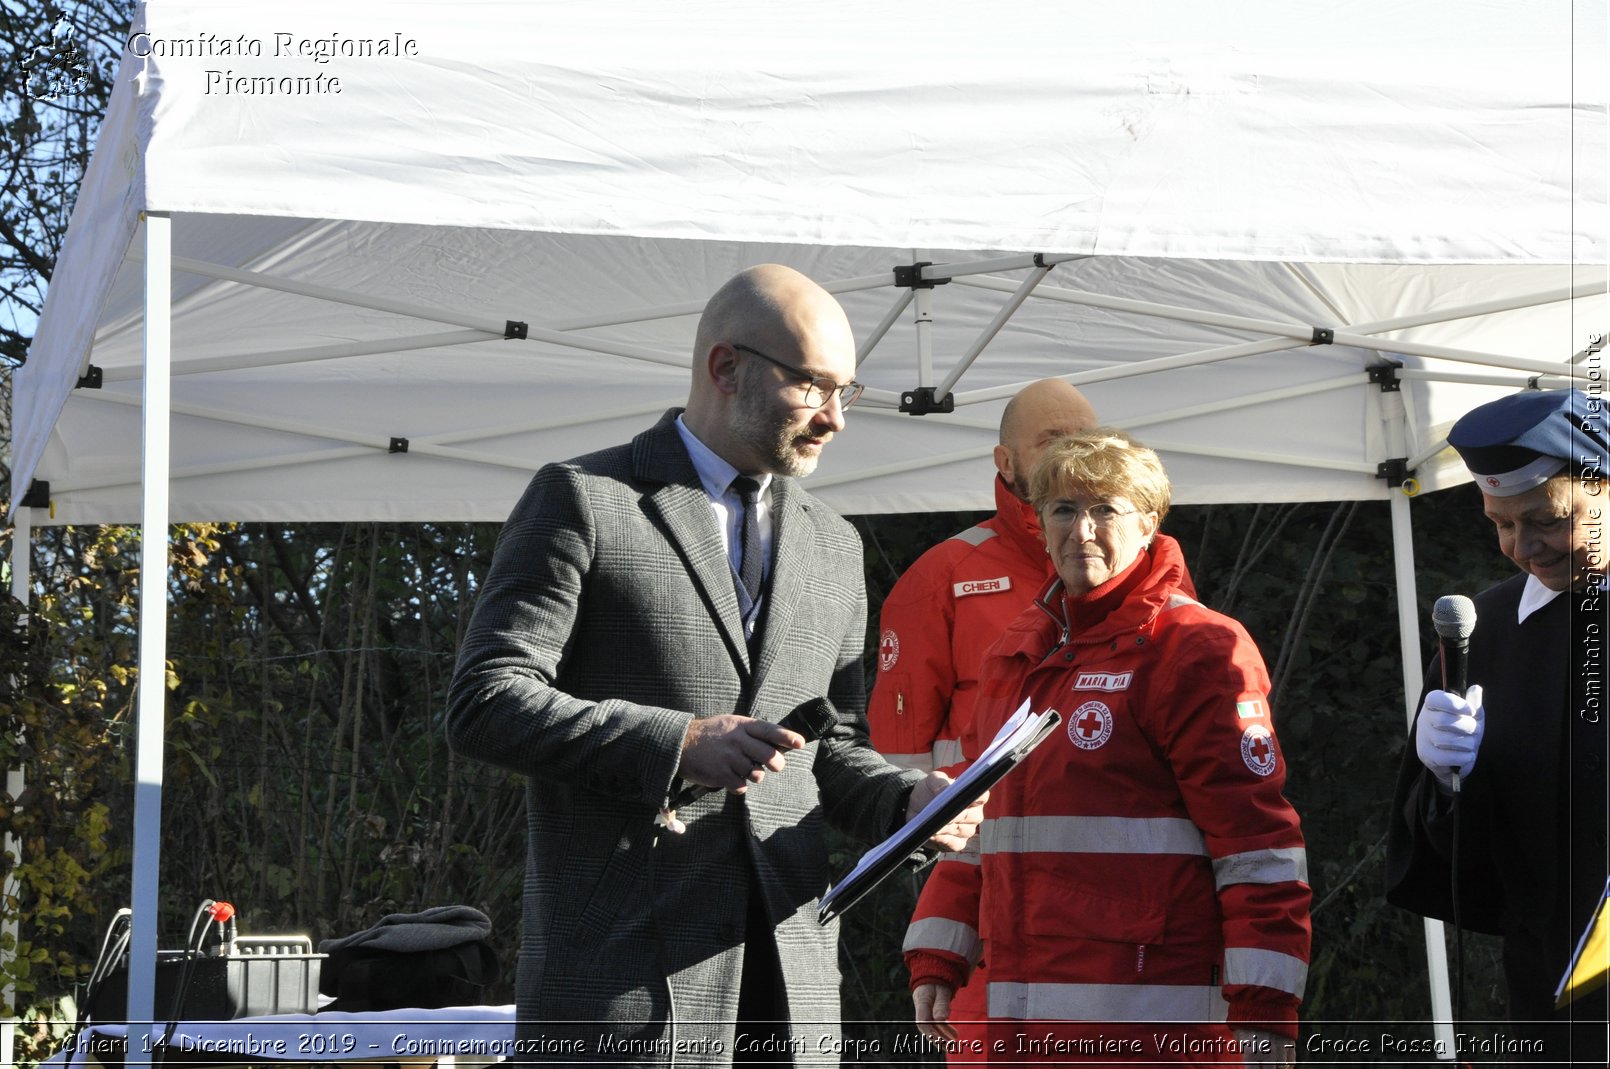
(932, 1002)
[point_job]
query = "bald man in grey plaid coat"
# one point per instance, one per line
(614, 658)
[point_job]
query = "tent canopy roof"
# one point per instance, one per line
(360, 208)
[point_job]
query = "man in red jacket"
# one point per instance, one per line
(951, 606)
(955, 601)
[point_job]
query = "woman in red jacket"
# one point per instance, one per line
(1142, 890)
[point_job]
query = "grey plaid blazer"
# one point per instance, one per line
(608, 621)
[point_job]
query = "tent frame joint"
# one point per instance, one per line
(92, 379)
(910, 277)
(1323, 336)
(398, 445)
(1395, 471)
(514, 330)
(38, 495)
(1386, 376)
(921, 402)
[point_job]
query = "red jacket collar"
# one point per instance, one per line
(1017, 521)
(1036, 632)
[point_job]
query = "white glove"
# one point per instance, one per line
(1448, 732)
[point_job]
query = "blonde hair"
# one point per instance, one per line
(1101, 462)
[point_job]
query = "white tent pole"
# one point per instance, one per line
(367, 446)
(344, 351)
(1427, 453)
(361, 444)
(336, 296)
(441, 315)
(1551, 382)
(932, 460)
(446, 315)
(576, 419)
(949, 419)
(883, 399)
(21, 577)
(996, 393)
(987, 335)
(923, 317)
(350, 349)
(1395, 418)
(1147, 367)
(1442, 1024)
(1445, 352)
(152, 692)
(939, 460)
(255, 464)
(1263, 397)
(1284, 340)
(418, 311)
(1124, 304)
(936, 460)
(871, 340)
(1251, 400)
(693, 308)
(1258, 456)
(962, 269)
(1299, 331)
(621, 318)
(843, 285)
(891, 399)
(1272, 345)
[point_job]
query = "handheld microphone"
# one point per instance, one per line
(1454, 617)
(812, 719)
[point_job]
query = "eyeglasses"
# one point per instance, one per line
(1102, 514)
(817, 391)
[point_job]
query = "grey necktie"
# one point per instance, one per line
(753, 567)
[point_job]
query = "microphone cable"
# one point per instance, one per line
(1458, 929)
(114, 945)
(1454, 619)
(224, 914)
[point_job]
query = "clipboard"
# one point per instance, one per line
(1016, 740)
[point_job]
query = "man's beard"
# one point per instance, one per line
(1019, 482)
(770, 435)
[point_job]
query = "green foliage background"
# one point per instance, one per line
(307, 780)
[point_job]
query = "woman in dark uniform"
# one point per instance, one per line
(1527, 741)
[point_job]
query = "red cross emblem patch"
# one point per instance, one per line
(888, 650)
(1090, 726)
(1258, 749)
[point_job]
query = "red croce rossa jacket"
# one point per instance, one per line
(946, 611)
(1142, 865)
(936, 624)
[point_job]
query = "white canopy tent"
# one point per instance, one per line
(417, 250)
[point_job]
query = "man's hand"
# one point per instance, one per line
(732, 751)
(932, 1002)
(1262, 1049)
(952, 836)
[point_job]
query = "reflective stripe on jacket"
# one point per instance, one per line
(936, 624)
